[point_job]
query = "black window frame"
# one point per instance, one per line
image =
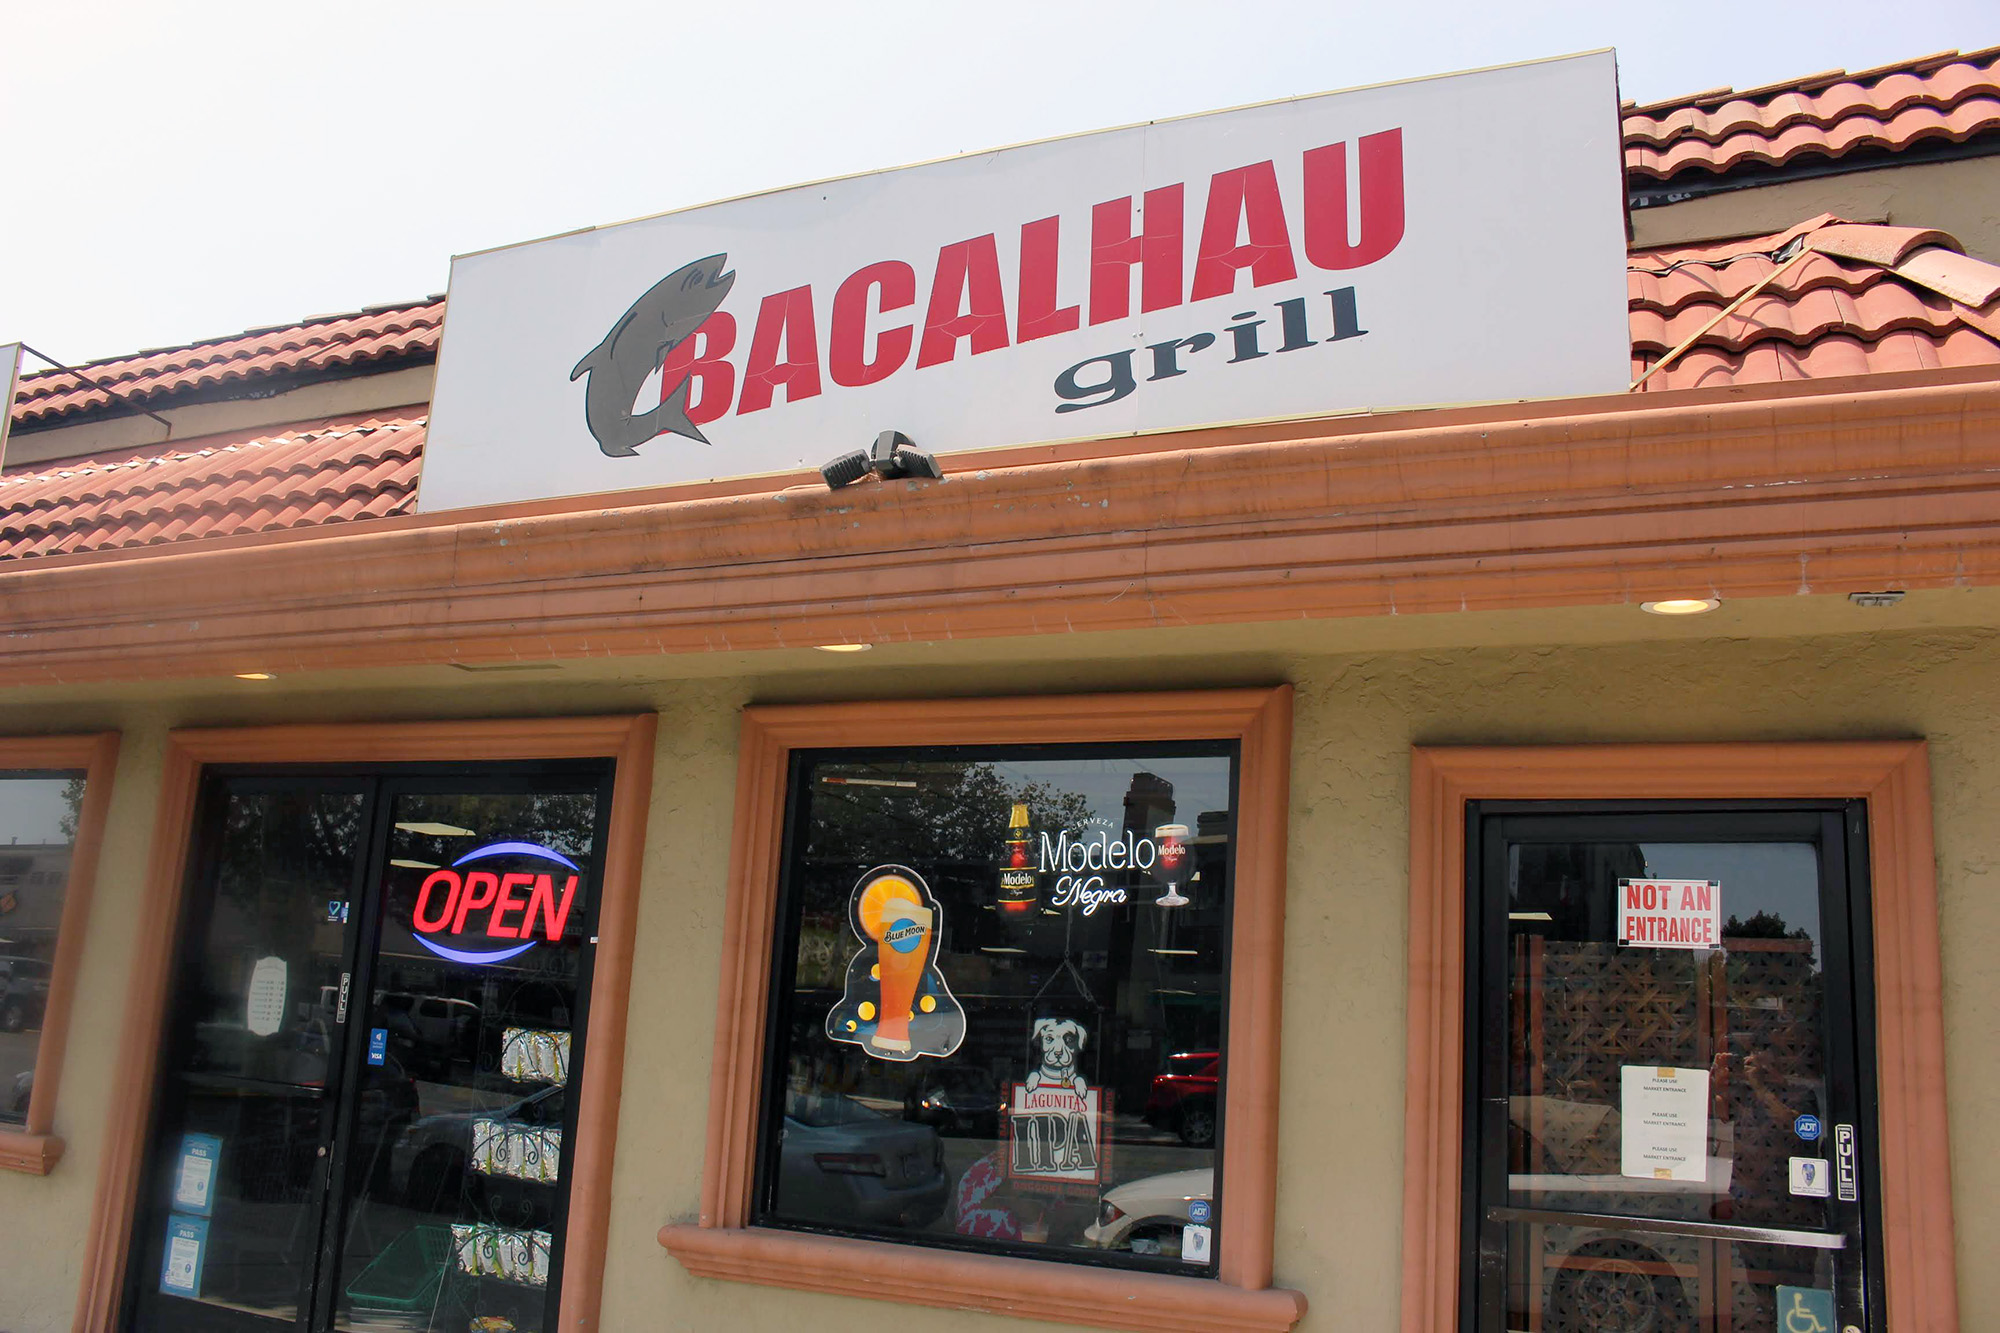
(787, 924)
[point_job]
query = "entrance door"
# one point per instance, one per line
(1670, 1123)
(362, 1120)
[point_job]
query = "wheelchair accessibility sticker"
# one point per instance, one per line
(1805, 1310)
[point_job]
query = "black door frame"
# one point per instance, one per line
(378, 785)
(1838, 827)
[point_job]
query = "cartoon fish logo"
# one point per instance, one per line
(638, 344)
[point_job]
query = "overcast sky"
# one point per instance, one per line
(177, 171)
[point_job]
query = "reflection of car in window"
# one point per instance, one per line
(1183, 1098)
(840, 1161)
(1146, 1216)
(428, 1166)
(957, 1102)
(24, 993)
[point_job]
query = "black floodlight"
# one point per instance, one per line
(917, 463)
(890, 456)
(845, 470)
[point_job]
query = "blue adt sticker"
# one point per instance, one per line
(378, 1045)
(1197, 1210)
(1807, 1127)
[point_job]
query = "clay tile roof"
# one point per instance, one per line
(332, 472)
(1826, 298)
(1945, 97)
(408, 330)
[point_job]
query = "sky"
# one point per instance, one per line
(179, 171)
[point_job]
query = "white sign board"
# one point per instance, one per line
(10, 375)
(1670, 913)
(1663, 1122)
(265, 1008)
(1448, 240)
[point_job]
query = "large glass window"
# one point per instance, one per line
(38, 825)
(999, 989)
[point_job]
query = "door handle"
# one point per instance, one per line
(1816, 1240)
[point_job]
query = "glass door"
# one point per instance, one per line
(1669, 1128)
(362, 1121)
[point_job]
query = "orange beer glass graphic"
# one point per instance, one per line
(893, 914)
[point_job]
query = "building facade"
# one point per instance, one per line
(1273, 876)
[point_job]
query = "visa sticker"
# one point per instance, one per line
(378, 1045)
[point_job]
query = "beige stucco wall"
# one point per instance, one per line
(1962, 198)
(1342, 1103)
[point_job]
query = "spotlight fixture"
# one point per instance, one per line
(892, 455)
(1681, 606)
(255, 675)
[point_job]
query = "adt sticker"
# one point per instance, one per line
(378, 1045)
(1807, 1127)
(1198, 1210)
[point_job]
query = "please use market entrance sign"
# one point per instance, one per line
(1448, 240)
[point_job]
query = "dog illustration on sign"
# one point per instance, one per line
(637, 346)
(1059, 1041)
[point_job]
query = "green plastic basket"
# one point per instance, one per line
(405, 1278)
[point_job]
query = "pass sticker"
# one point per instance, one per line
(1670, 913)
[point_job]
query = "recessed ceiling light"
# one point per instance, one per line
(407, 864)
(434, 829)
(255, 675)
(1177, 953)
(1529, 916)
(843, 647)
(1681, 606)
(999, 948)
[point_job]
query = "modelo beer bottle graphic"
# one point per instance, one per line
(893, 914)
(1018, 872)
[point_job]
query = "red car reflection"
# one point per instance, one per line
(1183, 1098)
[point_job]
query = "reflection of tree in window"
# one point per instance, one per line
(960, 810)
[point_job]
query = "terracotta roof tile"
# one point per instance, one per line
(1948, 97)
(329, 473)
(408, 330)
(1875, 305)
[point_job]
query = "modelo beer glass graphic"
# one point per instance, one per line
(1171, 868)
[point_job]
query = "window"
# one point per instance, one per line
(52, 799)
(998, 1018)
(1015, 987)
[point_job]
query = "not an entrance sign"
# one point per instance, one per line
(1670, 913)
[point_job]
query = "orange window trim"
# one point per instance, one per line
(725, 1245)
(628, 740)
(34, 1147)
(1892, 776)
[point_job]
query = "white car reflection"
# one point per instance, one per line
(1145, 1216)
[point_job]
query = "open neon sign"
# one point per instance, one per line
(493, 906)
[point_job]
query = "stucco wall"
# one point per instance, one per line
(1342, 1100)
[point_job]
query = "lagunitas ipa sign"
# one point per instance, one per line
(1447, 240)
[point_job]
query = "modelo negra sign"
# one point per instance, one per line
(1448, 240)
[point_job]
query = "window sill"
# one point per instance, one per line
(34, 1154)
(1024, 1288)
